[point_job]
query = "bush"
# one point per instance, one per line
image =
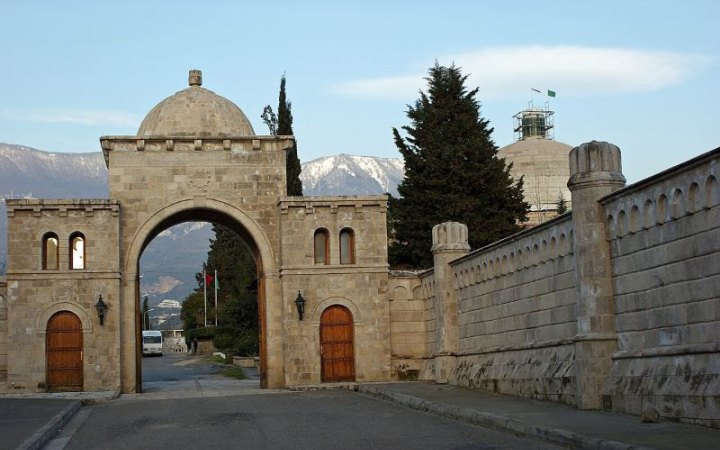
(233, 341)
(200, 333)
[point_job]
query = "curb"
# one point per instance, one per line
(50, 429)
(502, 423)
(101, 399)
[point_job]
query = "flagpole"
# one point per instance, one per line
(205, 295)
(216, 284)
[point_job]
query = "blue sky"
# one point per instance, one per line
(639, 74)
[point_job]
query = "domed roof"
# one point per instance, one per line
(195, 112)
(545, 165)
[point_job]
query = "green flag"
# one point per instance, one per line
(551, 93)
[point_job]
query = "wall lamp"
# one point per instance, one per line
(300, 303)
(102, 308)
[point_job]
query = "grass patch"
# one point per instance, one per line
(234, 372)
(216, 359)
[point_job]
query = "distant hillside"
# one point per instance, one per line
(171, 260)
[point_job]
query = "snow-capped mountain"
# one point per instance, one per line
(27, 172)
(351, 175)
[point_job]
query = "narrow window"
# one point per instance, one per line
(347, 246)
(77, 251)
(322, 246)
(50, 252)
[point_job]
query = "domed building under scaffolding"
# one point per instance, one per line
(542, 161)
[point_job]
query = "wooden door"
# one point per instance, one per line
(336, 344)
(64, 352)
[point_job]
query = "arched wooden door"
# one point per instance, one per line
(64, 352)
(336, 344)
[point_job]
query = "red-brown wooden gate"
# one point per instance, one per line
(336, 344)
(64, 352)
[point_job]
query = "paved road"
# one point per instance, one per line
(293, 420)
(176, 367)
(173, 414)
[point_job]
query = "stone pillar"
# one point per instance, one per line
(3, 336)
(450, 241)
(595, 171)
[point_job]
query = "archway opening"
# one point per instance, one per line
(198, 275)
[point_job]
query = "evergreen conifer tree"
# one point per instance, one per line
(281, 124)
(452, 173)
(237, 301)
(562, 206)
(146, 314)
(236, 270)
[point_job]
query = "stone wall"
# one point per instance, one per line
(35, 294)
(517, 314)
(408, 338)
(360, 286)
(614, 306)
(664, 235)
(3, 335)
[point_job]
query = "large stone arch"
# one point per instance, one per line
(155, 223)
(213, 210)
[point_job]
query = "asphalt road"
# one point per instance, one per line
(175, 367)
(257, 419)
(294, 420)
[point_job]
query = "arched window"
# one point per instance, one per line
(77, 251)
(347, 246)
(50, 256)
(322, 246)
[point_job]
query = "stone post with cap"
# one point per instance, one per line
(450, 242)
(595, 171)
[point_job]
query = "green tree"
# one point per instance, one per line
(562, 206)
(452, 173)
(282, 125)
(192, 311)
(238, 321)
(236, 269)
(146, 314)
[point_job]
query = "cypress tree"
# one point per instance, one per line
(282, 125)
(452, 173)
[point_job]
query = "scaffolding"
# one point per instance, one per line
(534, 123)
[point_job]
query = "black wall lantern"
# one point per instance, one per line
(300, 303)
(101, 307)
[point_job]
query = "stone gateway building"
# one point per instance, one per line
(196, 157)
(615, 305)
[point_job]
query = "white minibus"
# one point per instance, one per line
(152, 342)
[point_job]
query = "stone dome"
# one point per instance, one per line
(545, 165)
(195, 112)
